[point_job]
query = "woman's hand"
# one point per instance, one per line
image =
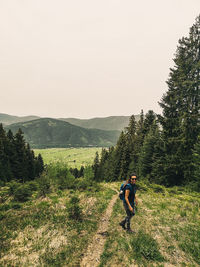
(131, 209)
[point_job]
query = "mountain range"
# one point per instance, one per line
(67, 132)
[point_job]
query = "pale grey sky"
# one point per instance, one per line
(88, 58)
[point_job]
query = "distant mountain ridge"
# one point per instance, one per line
(47, 132)
(6, 119)
(105, 123)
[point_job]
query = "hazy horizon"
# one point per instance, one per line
(95, 117)
(87, 59)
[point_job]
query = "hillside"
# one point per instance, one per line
(58, 229)
(6, 119)
(47, 132)
(107, 123)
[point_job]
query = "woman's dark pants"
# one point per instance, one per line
(127, 220)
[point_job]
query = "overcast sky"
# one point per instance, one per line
(88, 58)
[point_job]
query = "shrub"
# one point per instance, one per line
(66, 180)
(142, 187)
(13, 186)
(5, 207)
(158, 188)
(4, 194)
(22, 193)
(16, 206)
(82, 183)
(172, 191)
(74, 210)
(44, 185)
(88, 173)
(2, 215)
(33, 186)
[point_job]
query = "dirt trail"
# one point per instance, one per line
(92, 256)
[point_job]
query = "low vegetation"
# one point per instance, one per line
(167, 230)
(43, 225)
(49, 226)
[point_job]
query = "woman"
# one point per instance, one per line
(129, 202)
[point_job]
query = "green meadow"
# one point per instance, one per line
(73, 157)
(55, 228)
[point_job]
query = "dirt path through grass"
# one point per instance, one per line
(95, 249)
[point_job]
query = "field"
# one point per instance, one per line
(40, 232)
(74, 157)
(167, 230)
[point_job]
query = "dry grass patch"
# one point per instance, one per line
(30, 244)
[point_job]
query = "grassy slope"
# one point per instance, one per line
(167, 226)
(74, 157)
(41, 234)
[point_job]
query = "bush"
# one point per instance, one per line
(158, 188)
(82, 183)
(4, 194)
(74, 210)
(142, 186)
(44, 185)
(5, 207)
(16, 206)
(60, 174)
(13, 186)
(33, 186)
(66, 180)
(88, 173)
(2, 215)
(22, 193)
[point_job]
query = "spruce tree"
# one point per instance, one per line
(39, 165)
(196, 160)
(21, 168)
(5, 168)
(95, 166)
(181, 105)
(148, 151)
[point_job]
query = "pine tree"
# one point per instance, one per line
(95, 166)
(5, 168)
(21, 169)
(181, 105)
(149, 121)
(30, 158)
(39, 165)
(148, 151)
(196, 158)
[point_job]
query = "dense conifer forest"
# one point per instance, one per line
(17, 160)
(165, 148)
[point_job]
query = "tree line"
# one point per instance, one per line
(164, 148)
(17, 160)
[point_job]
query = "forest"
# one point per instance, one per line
(164, 149)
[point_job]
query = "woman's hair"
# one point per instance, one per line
(129, 179)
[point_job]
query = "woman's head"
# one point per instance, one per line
(132, 178)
